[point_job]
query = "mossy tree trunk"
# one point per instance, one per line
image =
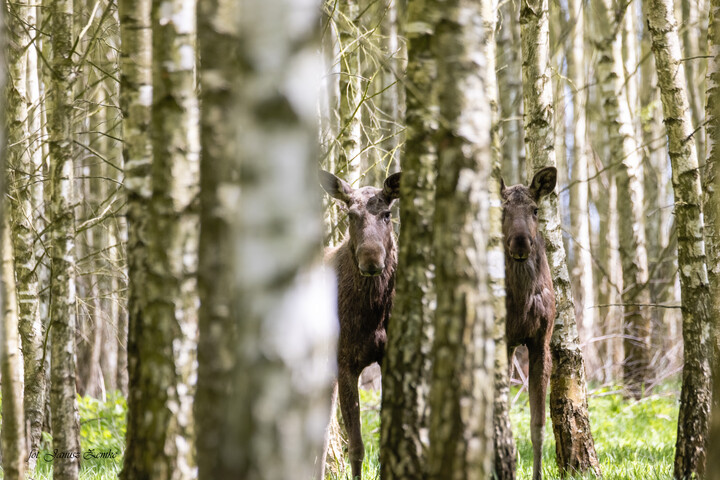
(406, 367)
(161, 339)
(461, 392)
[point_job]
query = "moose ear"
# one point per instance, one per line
(502, 187)
(543, 182)
(335, 187)
(391, 187)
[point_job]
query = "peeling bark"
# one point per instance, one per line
(568, 397)
(63, 401)
(690, 452)
(22, 194)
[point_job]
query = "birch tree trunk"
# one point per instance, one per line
(272, 310)
(161, 344)
(503, 445)
(351, 95)
(461, 392)
(712, 223)
(14, 454)
(690, 452)
(12, 435)
(509, 79)
(135, 101)
(393, 98)
(65, 417)
(217, 40)
(691, 49)
(22, 190)
(624, 154)
(568, 398)
(407, 367)
(657, 193)
(579, 201)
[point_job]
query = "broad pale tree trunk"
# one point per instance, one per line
(406, 367)
(161, 344)
(690, 452)
(268, 330)
(65, 418)
(568, 397)
(461, 392)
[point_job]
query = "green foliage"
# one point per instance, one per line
(102, 435)
(635, 440)
(370, 425)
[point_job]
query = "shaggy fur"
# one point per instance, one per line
(365, 266)
(530, 300)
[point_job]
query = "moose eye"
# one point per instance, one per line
(385, 216)
(535, 212)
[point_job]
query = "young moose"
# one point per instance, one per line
(365, 267)
(530, 300)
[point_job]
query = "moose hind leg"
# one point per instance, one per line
(539, 375)
(350, 408)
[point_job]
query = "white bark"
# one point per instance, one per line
(690, 453)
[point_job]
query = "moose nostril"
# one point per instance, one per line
(372, 269)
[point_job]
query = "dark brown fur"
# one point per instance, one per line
(365, 266)
(530, 300)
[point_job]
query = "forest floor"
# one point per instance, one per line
(635, 440)
(102, 440)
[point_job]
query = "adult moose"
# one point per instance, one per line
(365, 266)
(530, 300)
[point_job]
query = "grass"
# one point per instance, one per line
(102, 434)
(635, 440)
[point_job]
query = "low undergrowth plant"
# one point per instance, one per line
(102, 440)
(634, 440)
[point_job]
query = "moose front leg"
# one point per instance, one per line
(540, 363)
(350, 407)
